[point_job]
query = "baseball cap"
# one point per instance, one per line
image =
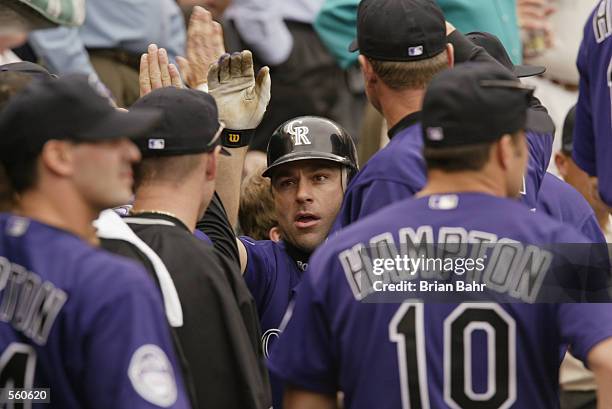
(26, 67)
(567, 139)
(490, 103)
(399, 30)
(41, 14)
(189, 123)
(65, 108)
(495, 48)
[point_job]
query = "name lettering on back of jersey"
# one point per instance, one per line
(502, 265)
(602, 21)
(299, 134)
(28, 304)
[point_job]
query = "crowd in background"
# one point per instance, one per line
(304, 44)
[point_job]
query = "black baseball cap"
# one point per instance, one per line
(495, 48)
(489, 103)
(65, 108)
(189, 123)
(26, 67)
(567, 139)
(399, 30)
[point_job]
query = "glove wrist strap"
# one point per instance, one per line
(232, 138)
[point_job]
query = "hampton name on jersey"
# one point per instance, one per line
(417, 355)
(593, 132)
(85, 324)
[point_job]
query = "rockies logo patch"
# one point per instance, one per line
(152, 377)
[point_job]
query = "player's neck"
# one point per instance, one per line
(60, 209)
(396, 105)
(460, 182)
(180, 202)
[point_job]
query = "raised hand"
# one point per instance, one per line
(156, 71)
(241, 98)
(204, 47)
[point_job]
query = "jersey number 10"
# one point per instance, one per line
(406, 329)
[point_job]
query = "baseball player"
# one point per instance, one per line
(420, 355)
(87, 325)
(310, 162)
(552, 195)
(594, 110)
(402, 45)
(220, 338)
(562, 202)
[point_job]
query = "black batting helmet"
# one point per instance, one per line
(311, 137)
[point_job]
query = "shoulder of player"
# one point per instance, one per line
(568, 198)
(261, 254)
(260, 245)
(106, 276)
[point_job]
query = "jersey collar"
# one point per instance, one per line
(406, 122)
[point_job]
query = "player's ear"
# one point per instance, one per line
(274, 234)
(561, 162)
(450, 55)
(369, 76)
(506, 151)
(58, 157)
(211, 163)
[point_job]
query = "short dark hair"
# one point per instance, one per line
(11, 83)
(461, 158)
(20, 174)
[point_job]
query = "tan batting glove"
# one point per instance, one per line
(241, 99)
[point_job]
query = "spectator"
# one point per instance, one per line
(216, 7)
(110, 41)
(337, 21)
(257, 213)
(307, 80)
(558, 87)
(18, 17)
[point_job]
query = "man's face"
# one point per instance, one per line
(103, 171)
(307, 195)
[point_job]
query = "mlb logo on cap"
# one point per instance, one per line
(157, 144)
(435, 134)
(415, 51)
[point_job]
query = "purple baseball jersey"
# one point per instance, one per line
(398, 172)
(432, 355)
(85, 324)
(564, 203)
(592, 147)
(271, 275)
(394, 173)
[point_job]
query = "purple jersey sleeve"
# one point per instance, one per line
(308, 332)
(259, 272)
(584, 326)
(540, 150)
(394, 173)
(593, 128)
(365, 199)
(128, 354)
(564, 203)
